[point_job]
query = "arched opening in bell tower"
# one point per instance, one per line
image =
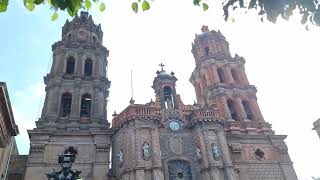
(66, 100)
(85, 110)
(168, 97)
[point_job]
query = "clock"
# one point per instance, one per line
(174, 125)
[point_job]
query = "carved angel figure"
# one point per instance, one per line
(146, 150)
(215, 151)
(120, 156)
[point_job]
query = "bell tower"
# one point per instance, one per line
(165, 88)
(220, 80)
(74, 114)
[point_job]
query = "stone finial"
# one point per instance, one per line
(205, 29)
(114, 114)
(131, 101)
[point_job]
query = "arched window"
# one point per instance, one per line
(231, 108)
(246, 107)
(66, 100)
(85, 109)
(235, 75)
(179, 169)
(206, 51)
(70, 65)
(94, 39)
(88, 67)
(69, 37)
(167, 91)
(221, 75)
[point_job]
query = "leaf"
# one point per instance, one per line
(30, 6)
(70, 12)
(145, 5)
(102, 7)
(54, 16)
(37, 2)
(205, 6)
(3, 5)
(135, 7)
(49, 2)
(87, 4)
(196, 2)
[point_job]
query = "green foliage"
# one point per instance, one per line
(3, 5)
(87, 4)
(266, 9)
(135, 7)
(145, 5)
(54, 16)
(272, 9)
(102, 7)
(205, 6)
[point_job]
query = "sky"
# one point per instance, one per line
(282, 61)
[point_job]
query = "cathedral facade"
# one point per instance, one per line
(221, 137)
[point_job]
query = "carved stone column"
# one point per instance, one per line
(225, 154)
(75, 106)
(156, 159)
(228, 75)
(240, 110)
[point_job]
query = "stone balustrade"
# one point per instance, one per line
(134, 111)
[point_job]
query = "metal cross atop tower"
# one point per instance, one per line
(161, 65)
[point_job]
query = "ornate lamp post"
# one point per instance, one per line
(65, 160)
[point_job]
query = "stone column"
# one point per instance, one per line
(225, 108)
(75, 106)
(54, 97)
(78, 65)
(242, 76)
(225, 155)
(214, 165)
(140, 174)
(215, 74)
(156, 159)
(239, 108)
(256, 110)
(228, 75)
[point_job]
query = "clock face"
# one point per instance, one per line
(174, 126)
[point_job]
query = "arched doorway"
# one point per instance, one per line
(179, 170)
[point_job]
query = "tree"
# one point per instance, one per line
(269, 9)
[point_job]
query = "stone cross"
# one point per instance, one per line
(161, 65)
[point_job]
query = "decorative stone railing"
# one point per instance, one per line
(202, 114)
(134, 111)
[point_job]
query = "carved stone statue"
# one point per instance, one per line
(146, 150)
(198, 153)
(215, 151)
(120, 156)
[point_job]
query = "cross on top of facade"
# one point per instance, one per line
(161, 65)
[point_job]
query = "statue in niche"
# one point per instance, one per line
(146, 151)
(120, 157)
(215, 151)
(198, 153)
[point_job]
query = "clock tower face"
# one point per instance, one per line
(174, 125)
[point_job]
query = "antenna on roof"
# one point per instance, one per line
(131, 100)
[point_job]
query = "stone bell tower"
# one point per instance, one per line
(74, 112)
(221, 84)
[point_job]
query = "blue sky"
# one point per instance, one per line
(282, 61)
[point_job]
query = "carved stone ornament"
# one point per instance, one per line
(258, 154)
(215, 151)
(120, 157)
(146, 151)
(198, 153)
(235, 147)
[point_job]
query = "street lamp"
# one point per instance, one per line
(65, 160)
